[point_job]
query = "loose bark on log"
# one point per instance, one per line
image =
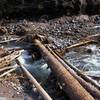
(73, 87)
(90, 88)
(34, 82)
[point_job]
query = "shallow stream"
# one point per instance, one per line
(86, 58)
(38, 68)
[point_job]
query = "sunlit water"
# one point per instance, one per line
(84, 60)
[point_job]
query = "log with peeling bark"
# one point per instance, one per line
(4, 61)
(34, 82)
(90, 88)
(71, 86)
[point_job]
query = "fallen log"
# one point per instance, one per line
(95, 37)
(82, 43)
(85, 77)
(71, 86)
(7, 60)
(34, 81)
(90, 88)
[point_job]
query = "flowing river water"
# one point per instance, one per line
(86, 58)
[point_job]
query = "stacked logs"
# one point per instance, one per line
(71, 86)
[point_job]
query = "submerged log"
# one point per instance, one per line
(34, 82)
(90, 88)
(71, 86)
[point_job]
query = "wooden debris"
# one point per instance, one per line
(71, 86)
(85, 77)
(34, 81)
(6, 68)
(7, 72)
(95, 37)
(2, 52)
(11, 40)
(7, 60)
(90, 88)
(94, 74)
(82, 43)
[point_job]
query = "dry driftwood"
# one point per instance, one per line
(2, 52)
(82, 43)
(7, 59)
(71, 86)
(91, 89)
(7, 72)
(6, 68)
(95, 37)
(34, 81)
(11, 40)
(93, 74)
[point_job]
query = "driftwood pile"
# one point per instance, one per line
(75, 84)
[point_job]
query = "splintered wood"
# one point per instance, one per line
(4, 61)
